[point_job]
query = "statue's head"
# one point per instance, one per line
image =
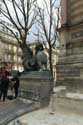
(39, 47)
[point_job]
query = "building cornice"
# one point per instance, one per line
(68, 27)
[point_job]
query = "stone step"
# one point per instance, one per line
(63, 99)
(37, 74)
(44, 72)
(71, 103)
(67, 104)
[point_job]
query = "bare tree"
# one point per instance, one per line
(48, 21)
(21, 14)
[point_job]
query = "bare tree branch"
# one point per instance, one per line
(13, 3)
(11, 19)
(20, 8)
(4, 13)
(50, 32)
(28, 9)
(24, 13)
(55, 35)
(53, 2)
(43, 24)
(47, 7)
(33, 21)
(50, 27)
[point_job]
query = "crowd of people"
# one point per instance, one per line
(6, 84)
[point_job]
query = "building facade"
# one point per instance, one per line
(70, 65)
(10, 51)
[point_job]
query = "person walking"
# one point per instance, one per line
(16, 85)
(4, 85)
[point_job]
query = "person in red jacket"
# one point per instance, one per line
(4, 85)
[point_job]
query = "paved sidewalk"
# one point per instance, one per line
(10, 110)
(44, 117)
(59, 112)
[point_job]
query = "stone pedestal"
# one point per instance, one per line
(36, 85)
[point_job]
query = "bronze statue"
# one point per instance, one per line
(34, 62)
(41, 57)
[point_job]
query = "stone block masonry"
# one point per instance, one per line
(70, 66)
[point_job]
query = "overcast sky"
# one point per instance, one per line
(57, 2)
(32, 38)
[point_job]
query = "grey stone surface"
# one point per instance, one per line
(10, 110)
(70, 65)
(36, 85)
(59, 112)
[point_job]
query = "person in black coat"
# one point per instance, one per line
(16, 85)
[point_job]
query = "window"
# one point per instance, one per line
(9, 57)
(19, 50)
(15, 58)
(5, 57)
(14, 49)
(19, 59)
(10, 47)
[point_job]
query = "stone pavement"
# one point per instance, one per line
(61, 111)
(10, 110)
(45, 117)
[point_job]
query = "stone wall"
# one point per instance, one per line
(70, 65)
(75, 11)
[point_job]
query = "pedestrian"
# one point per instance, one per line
(16, 85)
(4, 85)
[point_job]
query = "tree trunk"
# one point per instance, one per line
(50, 60)
(51, 68)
